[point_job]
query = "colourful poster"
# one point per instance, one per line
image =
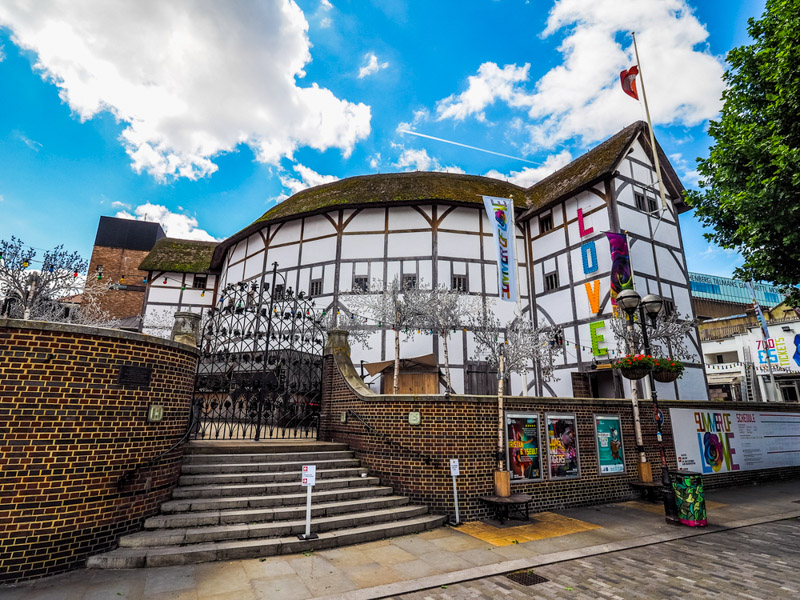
(523, 454)
(621, 273)
(501, 219)
(562, 447)
(610, 454)
(724, 441)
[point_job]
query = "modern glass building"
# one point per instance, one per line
(724, 289)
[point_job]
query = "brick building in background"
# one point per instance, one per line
(119, 248)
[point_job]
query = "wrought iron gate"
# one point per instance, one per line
(260, 371)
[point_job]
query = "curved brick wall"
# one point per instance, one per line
(69, 430)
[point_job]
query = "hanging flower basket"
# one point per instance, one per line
(665, 376)
(634, 373)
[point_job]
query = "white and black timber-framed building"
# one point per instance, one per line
(431, 227)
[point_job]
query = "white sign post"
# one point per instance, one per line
(455, 473)
(309, 478)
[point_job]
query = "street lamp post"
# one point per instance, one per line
(650, 306)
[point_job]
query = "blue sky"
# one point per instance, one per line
(204, 114)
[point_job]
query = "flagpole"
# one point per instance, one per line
(650, 126)
(518, 307)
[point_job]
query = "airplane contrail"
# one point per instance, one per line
(430, 137)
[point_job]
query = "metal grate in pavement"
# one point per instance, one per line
(526, 577)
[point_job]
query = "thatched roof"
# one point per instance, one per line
(597, 164)
(179, 256)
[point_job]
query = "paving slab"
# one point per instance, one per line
(448, 556)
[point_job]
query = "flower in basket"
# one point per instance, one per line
(669, 364)
(636, 361)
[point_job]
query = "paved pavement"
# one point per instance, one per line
(758, 562)
(571, 548)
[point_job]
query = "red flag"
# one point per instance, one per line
(628, 81)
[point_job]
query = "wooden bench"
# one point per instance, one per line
(650, 491)
(506, 507)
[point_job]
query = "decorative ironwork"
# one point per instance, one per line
(260, 370)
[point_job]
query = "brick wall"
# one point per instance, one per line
(118, 262)
(414, 459)
(68, 431)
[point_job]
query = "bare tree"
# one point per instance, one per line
(669, 337)
(28, 284)
(523, 344)
(392, 306)
(444, 310)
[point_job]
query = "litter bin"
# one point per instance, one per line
(690, 499)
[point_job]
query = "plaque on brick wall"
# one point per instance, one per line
(132, 376)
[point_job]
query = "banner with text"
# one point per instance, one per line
(501, 218)
(724, 441)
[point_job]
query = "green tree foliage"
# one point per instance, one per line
(750, 183)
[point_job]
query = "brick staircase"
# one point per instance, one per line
(239, 500)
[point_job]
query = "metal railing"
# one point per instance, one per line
(428, 460)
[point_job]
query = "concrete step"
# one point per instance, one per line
(285, 446)
(254, 489)
(272, 477)
(162, 556)
(266, 515)
(244, 531)
(265, 467)
(306, 458)
(277, 499)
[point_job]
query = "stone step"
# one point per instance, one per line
(286, 446)
(254, 489)
(265, 467)
(280, 513)
(276, 477)
(127, 558)
(307, 458)
(244, 531)
(278, 499)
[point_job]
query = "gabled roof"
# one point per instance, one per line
(596, 165)
(599, 164)
(179, 256)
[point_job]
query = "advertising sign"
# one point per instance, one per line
(562, 447)
(724, 441)
(783, 353)
(610, 454)
(523, 453)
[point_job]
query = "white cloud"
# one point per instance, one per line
(490, 84)
(581, 96)
(32, 144)
(418, 160)
(175, 225)
(323, 13)
(371, 65)
(308, 178)
(375, 160)
(2, 53)
(189, 79)
(530, 175)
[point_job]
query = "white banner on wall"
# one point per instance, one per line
(725, 441)
(783, 353)
(501, 218)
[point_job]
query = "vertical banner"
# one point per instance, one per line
(610, 454)
(562, 447)
(523, 454)
(757, 309)
(621, 272)
(501, 218)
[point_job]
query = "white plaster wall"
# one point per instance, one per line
(668, 267)
(162, 293)
(254, 266)
(317, 226)
(371, 219)
(409, 244)
(405, 217)
(287, 232)
(459, 245)
(692, 384)
(360, 246)
(239, 251)
(461, 219)
(254, 243)
(319, 250)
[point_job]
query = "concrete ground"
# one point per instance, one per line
(443, 557)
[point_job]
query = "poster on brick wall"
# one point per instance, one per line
(610, 454)
(562, 447)
(523, 454)
(726, 441)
